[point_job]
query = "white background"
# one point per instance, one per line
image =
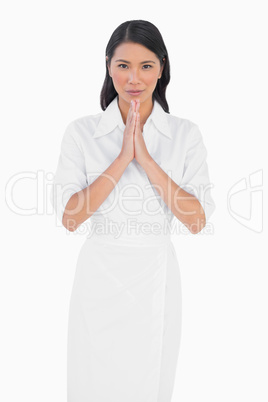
(52, 71)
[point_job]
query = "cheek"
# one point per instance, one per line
(119, 79)
(151, 79)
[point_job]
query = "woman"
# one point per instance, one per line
(125, 171)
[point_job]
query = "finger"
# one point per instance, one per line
(138, 120)
(131, 120)
(133, 116)
(130, 125)
(134, 113)
(130, 108)
(130, 112)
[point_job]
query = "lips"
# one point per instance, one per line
(134, 92)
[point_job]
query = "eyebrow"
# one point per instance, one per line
(143, 62)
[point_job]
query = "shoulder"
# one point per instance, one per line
(182, 129)
(180, 123)
(84, 125)
(80, 130)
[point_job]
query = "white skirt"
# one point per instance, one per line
(124, 327)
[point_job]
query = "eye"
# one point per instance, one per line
(147, 65)
(122, 65)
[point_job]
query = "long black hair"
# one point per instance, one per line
(148, 35)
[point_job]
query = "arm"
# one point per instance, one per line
(85, 202)
(184, 206)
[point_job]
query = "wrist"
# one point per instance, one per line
(123, 159)
(147, 162)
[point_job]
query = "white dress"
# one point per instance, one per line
(125, 310)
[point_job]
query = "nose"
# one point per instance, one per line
(133, 77)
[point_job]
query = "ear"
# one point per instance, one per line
(160, 74)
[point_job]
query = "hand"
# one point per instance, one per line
(141, 153)
(127, 150)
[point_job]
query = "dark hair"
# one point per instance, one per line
(148, 35)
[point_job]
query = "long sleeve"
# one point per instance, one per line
(195, 178)
(70, 176)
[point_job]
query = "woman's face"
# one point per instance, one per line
(134, 68)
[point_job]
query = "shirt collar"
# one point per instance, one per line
(111, 118)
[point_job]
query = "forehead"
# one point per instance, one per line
(133, 52)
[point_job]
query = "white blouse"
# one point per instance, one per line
(91, 143)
